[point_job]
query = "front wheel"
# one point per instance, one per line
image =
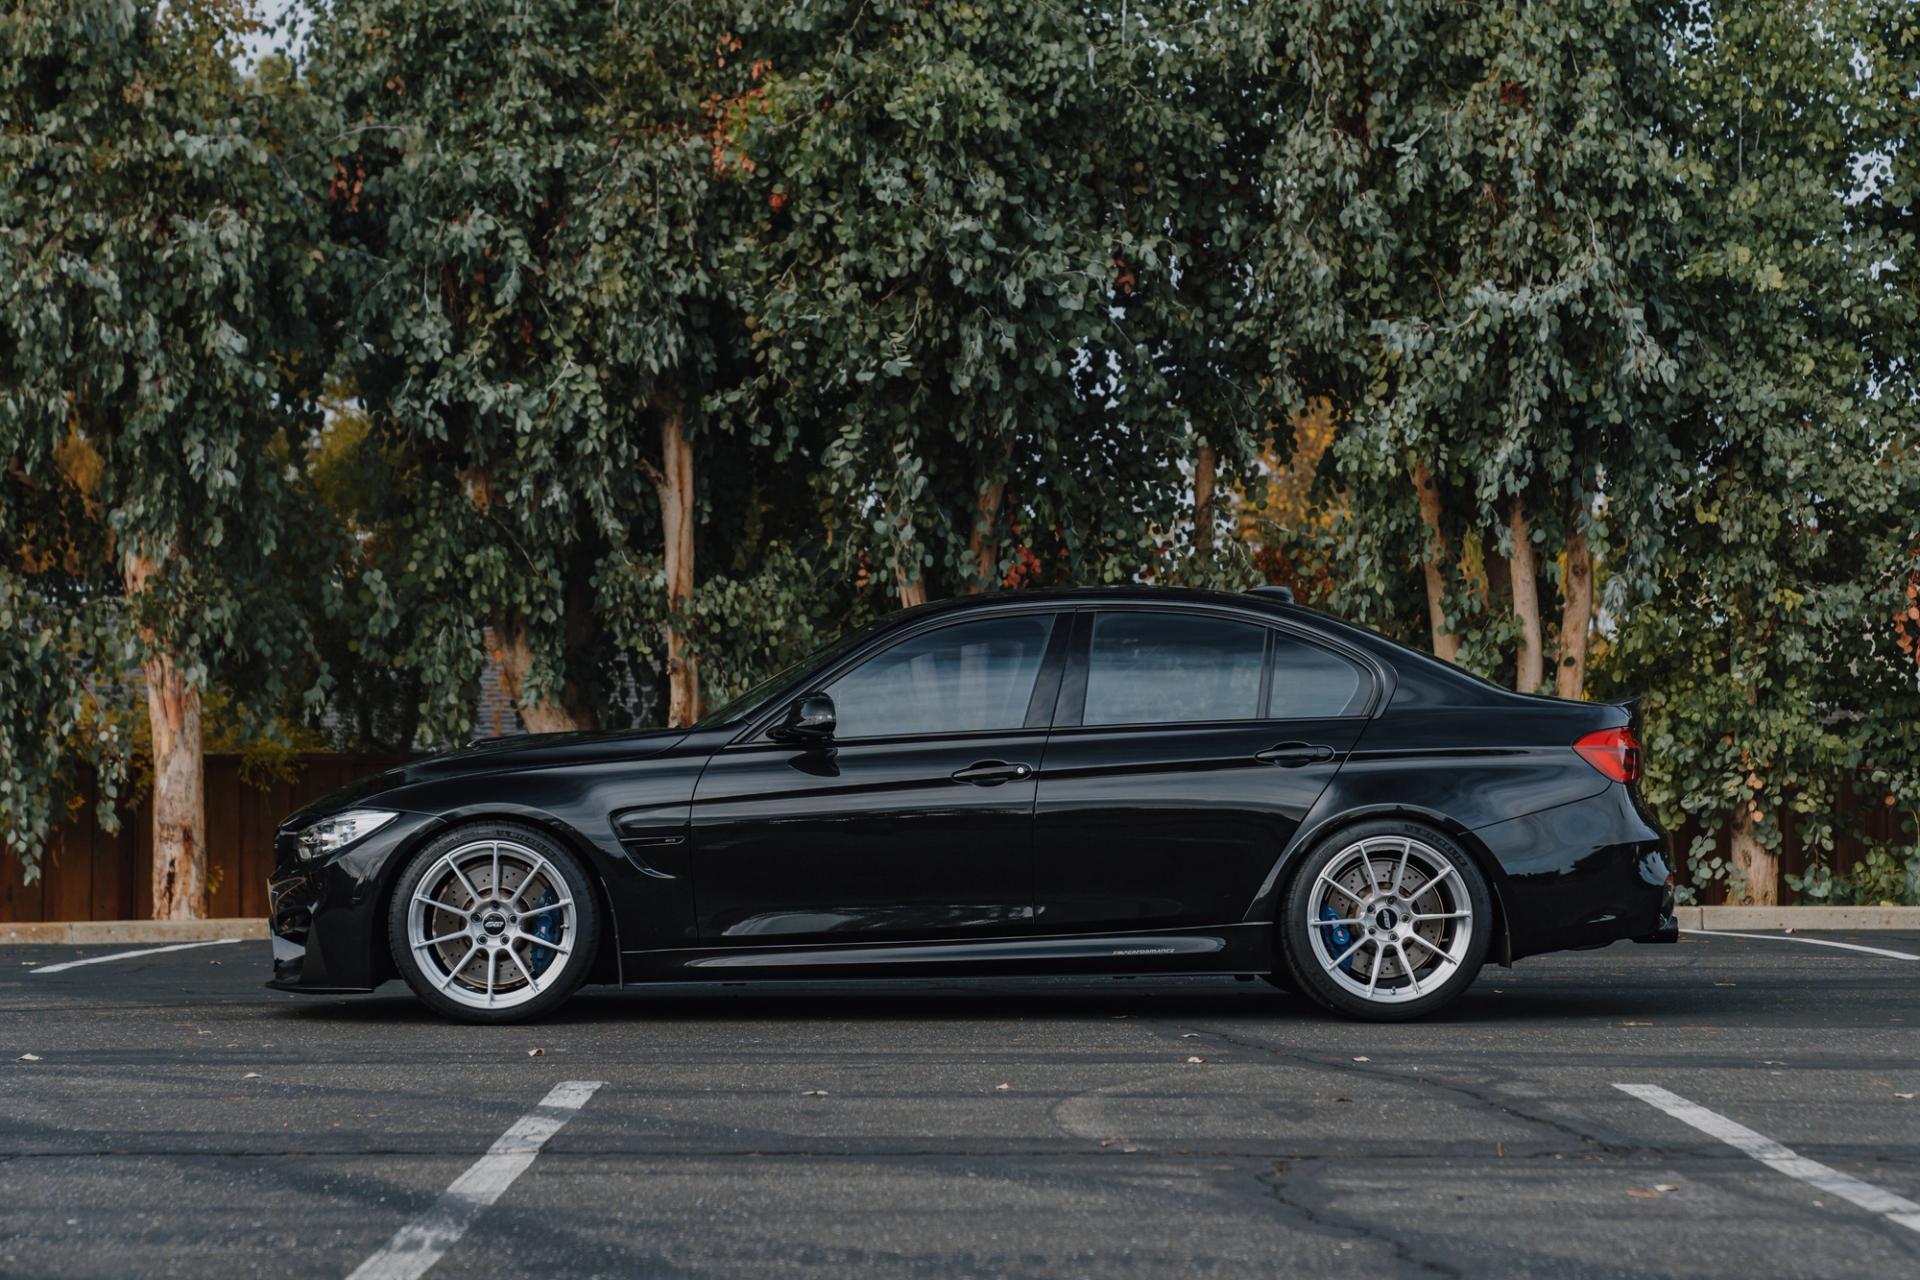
(1386, 921)
(493, 923)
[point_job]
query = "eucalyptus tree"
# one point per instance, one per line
(943, 280)
(1471, 214)
(153, 276)
(527, 203)
(1771, 649)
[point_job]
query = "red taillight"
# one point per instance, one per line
(1614, 752)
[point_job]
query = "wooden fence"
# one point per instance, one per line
(89, 873)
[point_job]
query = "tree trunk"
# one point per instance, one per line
(674, 481)
(912, 592)
(1529, 665)
(1757, 863)
(1576, 615)
(1206, 464)
(562, 714)
(984, 542)
(1446, 645)
(179, 775)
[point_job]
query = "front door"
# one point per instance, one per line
(1190, 748)
(914, 820)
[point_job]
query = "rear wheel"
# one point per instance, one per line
(493, 923)
(1385, 921)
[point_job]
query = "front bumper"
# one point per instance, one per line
(1583, 875)
(324, 917)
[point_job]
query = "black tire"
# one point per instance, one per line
(1308, 959)
(539, 989)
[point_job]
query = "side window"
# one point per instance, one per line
(1165, 668)
(972, 677)
(1311, 683)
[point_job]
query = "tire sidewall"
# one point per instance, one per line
(573, 967)
(1297, 940)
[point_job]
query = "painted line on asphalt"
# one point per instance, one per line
(1781, 1159)
(422, 1242)
(1812, 942)
(131, 955)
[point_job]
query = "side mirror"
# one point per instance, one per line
(809, 719)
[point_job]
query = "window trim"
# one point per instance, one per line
(1041, 699)
(1071, 712)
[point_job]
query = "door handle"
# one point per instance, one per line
(991, 773)
(1291, 755)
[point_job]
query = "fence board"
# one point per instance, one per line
(88, 873)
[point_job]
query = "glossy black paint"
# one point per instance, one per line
(721, 851)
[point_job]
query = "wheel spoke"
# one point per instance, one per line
(540, 868)
(1373, 882)
(1335, 885)
(454, 972)
(495, 886)
(493, 966)
(1342, 957)
(1440, 915)
(558, 948)
(445, 937)
(464, 882)
(1401, 951)
(522, 966)
(1406, 853)
(1414, 937)
(551, 906)
(447, 907)
(1330, 924)
(1379, 953)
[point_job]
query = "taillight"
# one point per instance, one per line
(1614, 752)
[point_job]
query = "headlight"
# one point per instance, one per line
(341, 830)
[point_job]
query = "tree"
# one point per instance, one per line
(1770, 651)
(151, 371)
(528, 208)
(951, 264)
(1468, 243)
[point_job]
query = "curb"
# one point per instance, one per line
(114, 932)
(1711, 918)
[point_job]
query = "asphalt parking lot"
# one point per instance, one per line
(175, 1118)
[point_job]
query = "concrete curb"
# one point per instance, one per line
(1738, 918)
(101, 933)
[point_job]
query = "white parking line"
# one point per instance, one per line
(1812, 942)
(129, 955)
(422, 1242)
(1897, 1209)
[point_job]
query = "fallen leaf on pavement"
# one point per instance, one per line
(814, 1093)
(28, 1057)
(1001, 1087)
(536, 1052)
(1196, 1059)
(251, 1075)
(1363, 1059)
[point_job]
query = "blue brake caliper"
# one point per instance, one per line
(547, 929)
(1337, 939)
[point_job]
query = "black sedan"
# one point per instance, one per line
(1076, 782)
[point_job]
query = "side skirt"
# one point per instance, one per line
(1236, 948)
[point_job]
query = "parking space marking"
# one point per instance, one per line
(422, 1242)
(130, 955)
(1812, 942)
(1780, 1159)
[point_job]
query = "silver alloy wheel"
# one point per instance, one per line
(490, 922)
(1390, 919)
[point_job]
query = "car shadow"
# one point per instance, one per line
(997, 1000)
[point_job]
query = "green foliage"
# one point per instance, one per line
(154, 357)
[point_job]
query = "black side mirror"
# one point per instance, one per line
(809, 719)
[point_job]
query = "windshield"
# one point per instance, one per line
(793, 676)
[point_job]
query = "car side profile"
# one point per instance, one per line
(1094, 781)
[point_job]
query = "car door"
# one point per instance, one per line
(913, 821)
(1189, 747)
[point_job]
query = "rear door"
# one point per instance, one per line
(1187, 749)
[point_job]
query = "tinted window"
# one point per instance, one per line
(1160, 668)
(974, 677)
(1310, 682)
